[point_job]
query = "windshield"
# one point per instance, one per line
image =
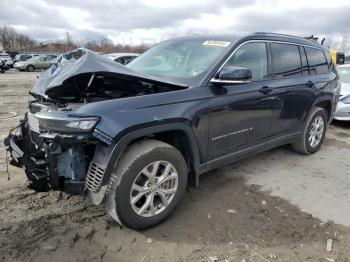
(183, 61)
(344, 74)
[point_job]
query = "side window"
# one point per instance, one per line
(252, 56)
(304, 65)
(285, 60)
(317, 61)
(26, 57)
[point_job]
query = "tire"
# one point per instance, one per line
(141, 158)
(304, 145)
(30, 68)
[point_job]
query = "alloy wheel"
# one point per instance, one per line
(154, 188)
(316, 131)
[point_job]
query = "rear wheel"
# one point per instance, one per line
(30, 68)
(147, 184)
(313, 133)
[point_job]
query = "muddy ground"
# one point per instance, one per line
(265, 208)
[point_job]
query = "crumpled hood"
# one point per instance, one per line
(81, 61)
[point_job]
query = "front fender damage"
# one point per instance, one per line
(96, 173)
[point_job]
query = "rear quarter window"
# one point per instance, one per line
(285, 60)
(317, 61)
(329, 61)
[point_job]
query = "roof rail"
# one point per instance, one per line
(277, 34)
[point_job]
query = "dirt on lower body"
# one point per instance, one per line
(222, 220)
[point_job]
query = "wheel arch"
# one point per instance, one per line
(30, 65)
(327, 104)
(179, 135)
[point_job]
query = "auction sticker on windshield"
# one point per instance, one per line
(216, 43)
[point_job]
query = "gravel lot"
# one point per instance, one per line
(276, 206)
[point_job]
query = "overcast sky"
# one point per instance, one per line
(153, 20)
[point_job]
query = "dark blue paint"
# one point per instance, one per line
(211, 111)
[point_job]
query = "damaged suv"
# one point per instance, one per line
(132, 138)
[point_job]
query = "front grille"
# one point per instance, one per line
(94, 177)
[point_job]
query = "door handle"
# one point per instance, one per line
(265, 90)
(310, 84)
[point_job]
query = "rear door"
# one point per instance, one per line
(291, 88)
(241, 114)
(322, 79)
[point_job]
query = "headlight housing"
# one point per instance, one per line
(345, 100)
(66, 124)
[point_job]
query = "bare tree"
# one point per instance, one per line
(69, 42)
(11, 40)
(106, 45)
(329, 41)
(344, 44)
(6, 40)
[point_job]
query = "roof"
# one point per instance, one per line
(287, 38)
(259, 36)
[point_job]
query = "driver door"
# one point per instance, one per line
(241, 114)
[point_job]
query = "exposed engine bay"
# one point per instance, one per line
(94, 87)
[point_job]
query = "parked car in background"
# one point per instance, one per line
(35, 63)
(5, 57)
(10, 63)
(24, 57)
(337, 57)
(342, 112)
(3, 67)
(122, 58)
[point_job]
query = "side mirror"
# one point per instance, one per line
(233, 75)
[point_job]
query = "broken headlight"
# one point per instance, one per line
(66, 124)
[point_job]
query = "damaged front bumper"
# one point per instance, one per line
(66, 158)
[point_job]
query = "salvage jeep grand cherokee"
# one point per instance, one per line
(134, 137)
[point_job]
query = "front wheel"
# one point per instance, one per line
(146, 184)
(313, 133)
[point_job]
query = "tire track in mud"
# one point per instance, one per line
(38, 218)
